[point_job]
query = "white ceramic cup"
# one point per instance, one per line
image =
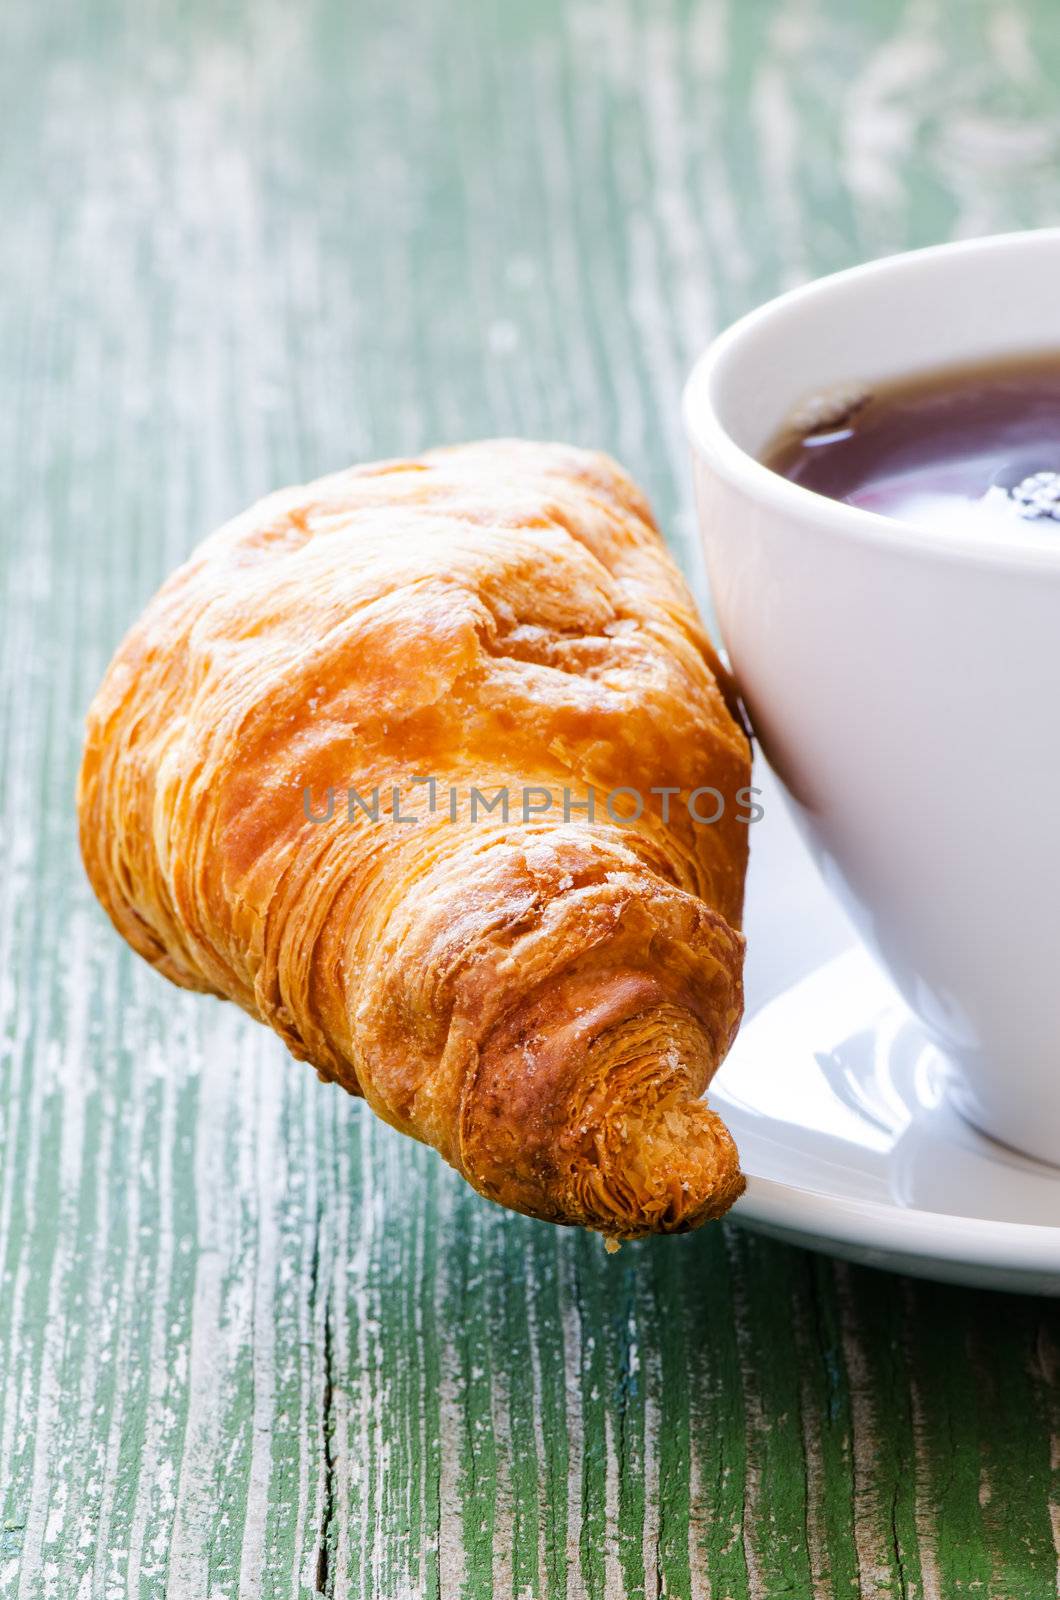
(905, 684)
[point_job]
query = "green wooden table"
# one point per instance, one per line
(251, 1342)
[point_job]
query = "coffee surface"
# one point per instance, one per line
(969, 449)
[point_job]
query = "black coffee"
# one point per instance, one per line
(965, 448)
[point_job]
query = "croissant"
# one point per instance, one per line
(406, 763)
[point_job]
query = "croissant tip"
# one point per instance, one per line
(663, 1169)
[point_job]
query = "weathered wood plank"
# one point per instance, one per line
(251, 1342)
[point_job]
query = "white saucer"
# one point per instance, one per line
(838, 1103)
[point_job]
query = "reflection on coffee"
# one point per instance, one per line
(969, 449)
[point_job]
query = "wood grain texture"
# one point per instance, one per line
(252, 1343)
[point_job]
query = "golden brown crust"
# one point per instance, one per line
(543, 1001)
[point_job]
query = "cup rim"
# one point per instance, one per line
(711, 440)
